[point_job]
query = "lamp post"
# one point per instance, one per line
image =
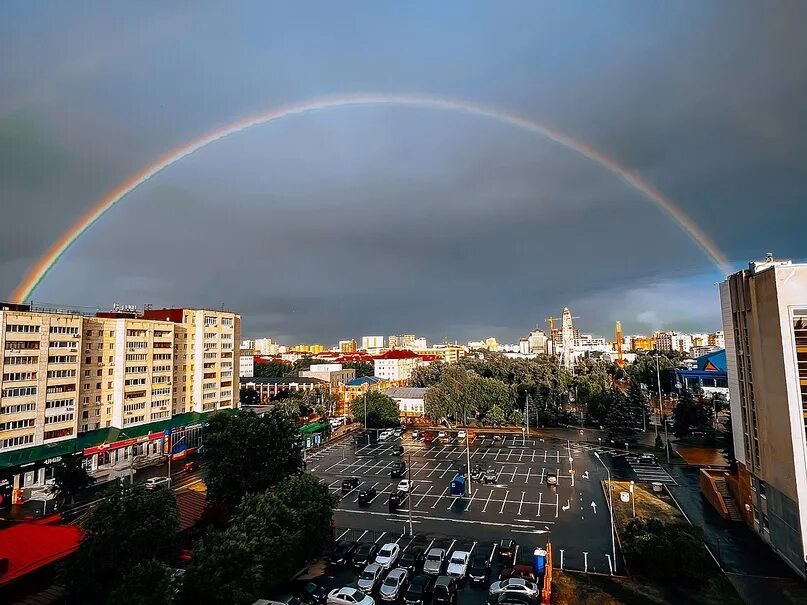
(658, 383)
(171, 444)
(409, 473)
(131, 459)
(610, 506)
(632, 498)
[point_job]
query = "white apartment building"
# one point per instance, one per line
(266, 346)
(765, 322)
(396, 365)
(246, 366)
(372, 342)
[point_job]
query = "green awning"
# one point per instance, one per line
(99, 436)
(314, 427)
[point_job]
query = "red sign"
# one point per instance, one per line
(108, 446)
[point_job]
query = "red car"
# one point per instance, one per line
(189, 467)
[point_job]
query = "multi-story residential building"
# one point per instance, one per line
(266, 346)
(246, 364)
(641, 343)
(347, 346)
(402, 341)
(663, 341)
(446, 353)
(537, 342)
(716, 339)
(396, 365)
(110, 387)
(269, 387)
(764, 312)
(372, 342)
(331, 372)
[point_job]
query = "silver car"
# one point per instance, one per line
(434, 561)
(514, 586)
(394, 586)
(370, 578)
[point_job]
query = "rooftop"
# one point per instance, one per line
(398, 354)
(30, 546)
(406, 392)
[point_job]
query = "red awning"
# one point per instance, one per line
(29, 546)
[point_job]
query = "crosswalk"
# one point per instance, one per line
(649, 472)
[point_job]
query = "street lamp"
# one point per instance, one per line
(131, 459)
(610, 506)
(171, 445)
(409, 473)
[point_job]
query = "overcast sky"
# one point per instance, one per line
(385, 220)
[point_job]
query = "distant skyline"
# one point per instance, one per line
(353, 219)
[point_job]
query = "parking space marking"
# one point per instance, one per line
(540, 498)
(434, 470)
(487, 501)
(445, 491)
(423, 496)
(448, 468)
(471, 500)
(529, 470)
(343, 534)
(533, 456)
(557, 505)
(504, 502)
(521, 455)
(372, 486)
(383, 533)
(513, 478)
(521, 503)
(543, 472)
(450, 506)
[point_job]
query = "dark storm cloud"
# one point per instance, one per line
(382, 220)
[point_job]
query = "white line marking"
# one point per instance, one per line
(423, 496)
(487, 501)
(472, 499)
(503, 503)
(521, 503)
(540, 497)
(557, 507)
(529, 470)
(439, 497)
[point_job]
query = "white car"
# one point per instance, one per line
(458, 564)
(434, 561)
(158, 482)
(388, 555)
(461, 435)
(393, 587)
(349, 596)
(515, 586)
(404, 485)
(370, 578)
(441, 434)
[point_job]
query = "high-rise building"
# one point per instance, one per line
(266, 346)
(372, 342)
(764, 312)
(716, 339)
(537, 342)
(347, 346)
(396, 365)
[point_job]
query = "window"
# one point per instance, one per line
(136, 369)
(17, 408)
(16, 441)
(133, 407)
(133, 420)
(210, 320)
(18, 376)
(58, 403)
(61, 373)
(13, 425)
(21, 361)
(762, 490)
(136, 357)
(227, 321)
(88, 360)
(63, 330)
(62, 358)
(19, 391)
(13, 345)
(58, 433)
(765, 525)
(58, 418)
(21, 328)
(134, 381)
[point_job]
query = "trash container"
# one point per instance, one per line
(658, 487)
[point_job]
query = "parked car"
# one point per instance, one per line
(350, 484)
(461, 435)
(412, 559)
(441, 435)
(420, 590)
(647, 459)
(514, 585)
(158, 482)
(490, 475)
(397, 450)
(365, 554)
(342, 552)
(398, 469)
(445, 591)
(349, 596)
(478, 569)
(458, 564)
(551, 479)
(314, 594)
(506, 550)
(476, 472)
(512, 598)
(388, 555)
(434, 561)
(415, 434)
(398, 432)
(396, 499)
(370, 578)
(394, 585)
(366, 496)
(191, 466)
(404, 485)
(280, 600)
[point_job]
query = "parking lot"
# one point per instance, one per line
(518, 504)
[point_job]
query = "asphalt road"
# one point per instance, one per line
(519, 505)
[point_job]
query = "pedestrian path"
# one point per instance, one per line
(649, 472)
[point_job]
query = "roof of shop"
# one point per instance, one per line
(29, 546)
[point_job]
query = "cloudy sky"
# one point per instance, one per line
(391, 219)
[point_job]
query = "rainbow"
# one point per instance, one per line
(33, 278)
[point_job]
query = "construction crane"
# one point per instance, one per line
(620, 361)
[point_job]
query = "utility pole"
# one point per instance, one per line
(658, 382)
(467, 453)
(365, 412)
(409, 475)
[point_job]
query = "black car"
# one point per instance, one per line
(445, 591)
(476, 472)
(398, 469)
(365, 554)
(506, 550)
(342, 552)
(479, 568)
(420, 590)
(398, 450)
(314, 594)
(397, 499)
(490, 475)
(349, 484)
(366, 496)
(412, 559)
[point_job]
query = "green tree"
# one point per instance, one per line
(249, 396)
(148, 583)
(643, 369)
(620, 423)
(495, 416)
(247, 454)
(672, 552)
(638, 403)
(363, 368)
(428, 375)
(691, 414)
(462, 394)
(272, 369)
(71, 478)
(516, 418)
(271, 536)
(131, 526)
(382, 410)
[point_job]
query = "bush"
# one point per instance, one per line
(666, 551)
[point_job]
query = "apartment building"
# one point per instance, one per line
(347, 346)
(764, 312)
(396, 365)
(110, 386)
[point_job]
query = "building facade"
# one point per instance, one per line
(246, 365)
(347, 346)
(396, 365)
(372, 342)
(764, 312)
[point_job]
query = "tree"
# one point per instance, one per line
(363, 368)
(690, 414)
(148, 583)
(249, 396)
(272, 369)
(428, 375)
(620, 422)
(643, 369)
(462, 394)
(272, 535)
(516, 418)
(382, 410)
(71, 477)
(638, 403)
(665, 551)
(495, 416)
(248, 454)
(131, 526)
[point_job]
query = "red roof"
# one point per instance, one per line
(431, 357)
(29, 546)
(398, 354)
(191, 506)
(269, 359)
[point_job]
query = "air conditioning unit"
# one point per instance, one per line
(76, 336)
